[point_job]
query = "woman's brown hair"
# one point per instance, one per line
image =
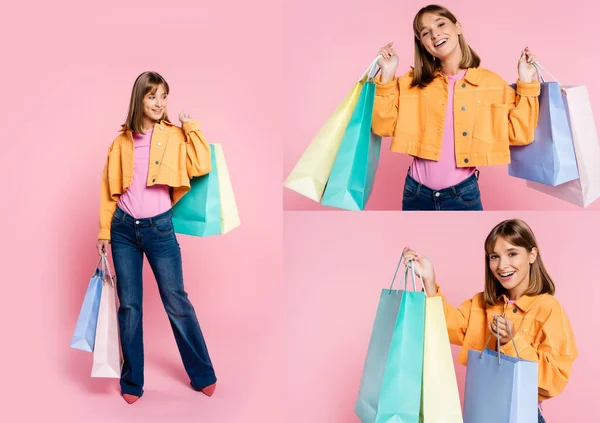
(517, 233)
(147, 82)
(425, 66)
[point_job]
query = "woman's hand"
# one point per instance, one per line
(525, 67)
(388, 62)
(184, 117)
(425, 269)
(102, 246)
(500, 326)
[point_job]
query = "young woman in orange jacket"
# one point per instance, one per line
(148, 169)
(450, 114)
(518, 288)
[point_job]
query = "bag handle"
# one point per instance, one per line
(411, 265)
(106, 268)
(498, 340)
(538, 70)
(372, 70)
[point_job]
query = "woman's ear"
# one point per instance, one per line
(533, 255)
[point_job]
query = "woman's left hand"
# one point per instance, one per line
(525, 67)
(184, 117)
(500, 326)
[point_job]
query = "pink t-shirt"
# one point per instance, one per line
(139, 200)
(443, 173)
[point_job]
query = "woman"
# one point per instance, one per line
(517, 305)
(450, 135)
(148, 170)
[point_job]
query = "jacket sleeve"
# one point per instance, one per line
(457, 319)
(523, 112)
(553, 349)
(198, 158)
(108, 205)
(386, 106)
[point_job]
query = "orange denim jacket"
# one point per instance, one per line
(488, 116)
(542, 334)
(176, 155)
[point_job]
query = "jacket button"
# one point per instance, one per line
(466, 160)
(156, 162)
(515, 310)
(463, 108)
(464, 134)
(153, 180)
(464, 85)
(158, 144)
(161, 127)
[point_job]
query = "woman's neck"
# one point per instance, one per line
(147, 124)
(451, 64)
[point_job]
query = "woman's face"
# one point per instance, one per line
(439, 35)
(511, 265)
(155, 104)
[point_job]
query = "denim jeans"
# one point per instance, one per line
(540, 417)
(463, 196)
(132, 238)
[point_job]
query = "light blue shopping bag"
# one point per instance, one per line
(377, 353)
(500, 388)
(198, 212)
(353, 173)
(550, 159)
(401, 388)
(85, 329)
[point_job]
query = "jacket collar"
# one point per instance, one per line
(162, 122)
(524, 303)
(473, 75)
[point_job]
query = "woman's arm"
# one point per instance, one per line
(198, 158)
(108, 205)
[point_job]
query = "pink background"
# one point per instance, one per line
(68, 71)
(329, 44)
(337, 263)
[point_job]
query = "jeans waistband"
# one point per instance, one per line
(146, 221)
(453, 190)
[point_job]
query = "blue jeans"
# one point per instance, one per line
(460, 197)
(540, 417)
(132, 238)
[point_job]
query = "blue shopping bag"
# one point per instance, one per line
(367, 401)
(401, 388)
(500, 388)
(198, 212)
(85, 329)
(550, 159)
(353, 173)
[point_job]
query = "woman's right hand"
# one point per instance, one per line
(425, 269)
(102, 246)
(388, 60)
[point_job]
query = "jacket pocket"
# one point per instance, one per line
(491, 123)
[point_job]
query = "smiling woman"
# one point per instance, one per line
(137, 194)
(450, 135)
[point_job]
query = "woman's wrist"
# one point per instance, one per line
(387, 75)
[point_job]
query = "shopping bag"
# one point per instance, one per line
(230, 218)
(311, 173)
(209, 208)
(585, 190)
(85, 330)
(379, 344)
(500, 388)
(353, 173)
(401, 388)
(441, 401)
(107, 361)
(550, 159)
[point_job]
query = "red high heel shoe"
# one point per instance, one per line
(130, 399)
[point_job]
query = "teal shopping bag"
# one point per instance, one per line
(401, 389)
(199, 211)
(353, 173)
(367, 401)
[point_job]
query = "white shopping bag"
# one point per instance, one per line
(585, 190)
(107, 348)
